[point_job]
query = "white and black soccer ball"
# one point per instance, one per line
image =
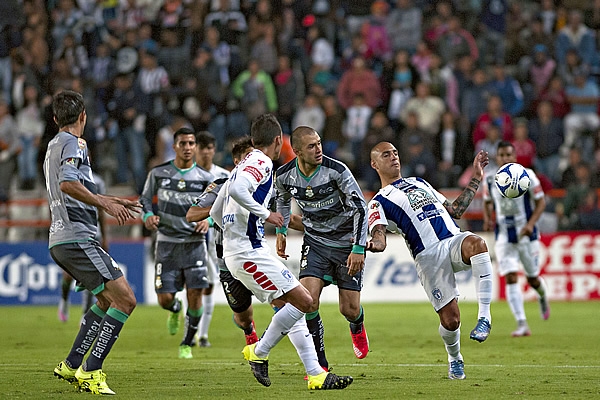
(512, 180)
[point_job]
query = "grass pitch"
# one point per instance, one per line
(407, 360)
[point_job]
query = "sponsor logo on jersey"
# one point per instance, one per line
(374, 205)
(419, 198)
(255, 172)
(373, 217)
(71, 161)
(326, 190)
(165, 182)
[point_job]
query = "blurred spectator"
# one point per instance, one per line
(541, 70)
(573, 65)
(429, 109)
(568, 176)
(332, 136)
(448, 150)
(221, 53)
(30, 126)
(356, 125)
(359, 80)
(287, 86)
(421, 60)
(490, 144)
(265, 50)
(75, 54)
(525, 148)
(547, 132)
(101, 72)
(493, 116)
(492, 30)
(577, 199)
(443, 83)
(420, 161)
(548, 16)
(400, 81)
(174, 55)
(322, 56)
(65, 19)
(9, 148)
(530, 36)
(379, 131)
(556, 95)
(456, 42)
(376, 37)
(230, 23)
(475, 96)
(578, 36)
(261, 21)
(411, 128)
(508, 89)
(404, 25)
(22, 75)
(356, 14)
(255, 90)
(309, 114)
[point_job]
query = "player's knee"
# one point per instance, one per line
(474, 245)
(451, 322)
(350, 311)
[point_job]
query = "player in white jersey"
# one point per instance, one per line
(424, 217)
(205, 153)
(240, 209)
(517, 238)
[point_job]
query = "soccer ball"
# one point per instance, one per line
(512, 180)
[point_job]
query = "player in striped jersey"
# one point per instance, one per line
(180, 246)
(424, 217)
(335, 234)
(517, 238)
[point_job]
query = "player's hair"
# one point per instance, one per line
(265, 128)
(505, 143)
(67, 106)
(205, 139)
(299, 133)
(240, 146)
(182, 131)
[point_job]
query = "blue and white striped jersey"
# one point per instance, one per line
(414, 209)
(512, 214)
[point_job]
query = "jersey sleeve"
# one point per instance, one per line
(253, 172)
(208, 197)
(355, 200)
(147, 195)
(535, 189)
(376, 215)
(73, 154)
(283, 201)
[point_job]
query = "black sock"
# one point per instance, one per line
(191, 327)
(111, 325)
(357, 325)
(176, 306)
(65, 288)
(317, 331)
(88, 331)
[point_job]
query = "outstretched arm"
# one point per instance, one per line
(462, 202)
(378, 241)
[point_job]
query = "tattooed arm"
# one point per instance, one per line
(459, 206)
(378, 240)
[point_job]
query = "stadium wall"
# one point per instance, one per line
(570, 265)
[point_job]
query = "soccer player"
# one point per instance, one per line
(240, 209)
(424, 217)
(180, 253)
(517, 238)
(73, 206)
(335, 235)
(205, 153)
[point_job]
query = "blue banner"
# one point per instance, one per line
(28, 275)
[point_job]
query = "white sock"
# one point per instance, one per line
(208, 306)
(515, 301)
(452, 342)
(304, 345)
(482, 273)
(542, 289)
(280, 325)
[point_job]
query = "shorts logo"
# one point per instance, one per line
(254, 172)
(287, 275)
(437, 294)
(258, 276)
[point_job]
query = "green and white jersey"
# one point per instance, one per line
(333, 207)
(66, 161)
(175, 190)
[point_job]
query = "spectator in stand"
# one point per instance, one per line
(429, 109)
(582, 123)
(359, 80)
(421, 60)
(568, 176)
(261, 21)
(404, 26)
(420, 160)
(456, 42)
(568, 211)
(572, 65)
(309, 114)
(547, 132)
(376, 37)
(101, 73)
(449, 150)
(287, 86)
(255, 90)
(65, 18)
(492, 30)
(557, 96)
(475, 96)
(357, 13)
(578, 36)
(75, 54)
(443, 83)
(411, 129)
(400, 81)
(528, 38)
(30, 126)
(379, 130)
(230, 23)
(265, 50)
(493, 115)
(489, 144)
(525, 148)
(548, 16)
(508, 89)
(221, 53)
(322, 53)
(333, 139)
(9, 147)
(541, 70)
(356, 125)
(174, 55)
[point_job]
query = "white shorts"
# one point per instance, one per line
(211, 258)
(436, 267)
(526, 251)
(267, 277)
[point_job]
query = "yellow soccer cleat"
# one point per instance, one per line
(66, 373)
(259, 366)
(93, 381)
(185, 351)
(328, 381)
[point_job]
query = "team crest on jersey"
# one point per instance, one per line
(309, 192)
(210, 187)
(374, 205)
(181, 184)
(81, 143)
(419, 198)
(437, 294)
(71, 161)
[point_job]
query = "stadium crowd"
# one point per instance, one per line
(439, 79)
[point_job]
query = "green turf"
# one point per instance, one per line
(560, 360)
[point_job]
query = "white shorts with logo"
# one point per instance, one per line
(267, 277)
(436, 267)
(511, 255)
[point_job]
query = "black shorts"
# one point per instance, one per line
(88, 263)
(238, 296)
(328, 264)
(180, 264)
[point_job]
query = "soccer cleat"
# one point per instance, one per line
(63, 310)
(324, 369)
(251, 337)
(456, 370)
(92, 381)
(204, 342)
(185, 351)
(328, 381)
(360, 343)
(544, 307)
(64, 372)
(259, 366)
(173, 323)
(522, 330)
(481, 330)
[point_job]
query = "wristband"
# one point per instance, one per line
(283, 230)
(358, 249)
